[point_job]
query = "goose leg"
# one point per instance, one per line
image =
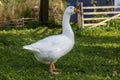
(52, 69)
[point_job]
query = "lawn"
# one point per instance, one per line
(95, 56)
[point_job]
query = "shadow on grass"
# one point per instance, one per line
(92, 60)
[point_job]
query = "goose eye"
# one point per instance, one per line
(70, 7)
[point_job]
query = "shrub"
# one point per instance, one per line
(33, 24)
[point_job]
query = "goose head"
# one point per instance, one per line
(71, 10)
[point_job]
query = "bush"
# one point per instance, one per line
(33, 24)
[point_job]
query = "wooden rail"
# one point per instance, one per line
(101, 16)
(102, 22)
(15, 22)
(94, 13)
(99, 7)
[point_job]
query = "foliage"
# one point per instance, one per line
(53, 24)
(95, 55)
(33, 24)
(14, 9)
(17, 8)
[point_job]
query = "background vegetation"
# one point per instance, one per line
(14, 9)
(95, 56)
(11, 9)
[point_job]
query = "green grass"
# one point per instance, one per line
(95, 56)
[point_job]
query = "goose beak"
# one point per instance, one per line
(76, 10)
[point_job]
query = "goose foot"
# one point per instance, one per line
(57, 70)
(53, 70)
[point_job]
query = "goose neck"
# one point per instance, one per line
(67, 30)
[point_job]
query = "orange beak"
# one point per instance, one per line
(76, 10)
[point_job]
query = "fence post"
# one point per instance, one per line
(80, 15)
(23, 21)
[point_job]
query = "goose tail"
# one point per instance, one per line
(27, 47)
(30, 48)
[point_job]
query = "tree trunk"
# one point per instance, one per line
(43, 14)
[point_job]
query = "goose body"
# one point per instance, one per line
(50, 49)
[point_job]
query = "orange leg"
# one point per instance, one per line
(52, 69)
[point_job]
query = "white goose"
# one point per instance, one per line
(50, 49)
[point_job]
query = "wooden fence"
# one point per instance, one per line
(15, 22)
(99, 15)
